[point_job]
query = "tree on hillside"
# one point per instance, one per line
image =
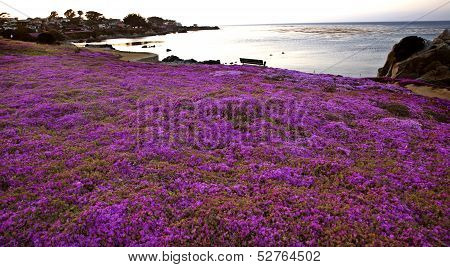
(155, 21)
(135, 20)
(3, 17)
(53, 15)
(94, 16)
(70, 14)
(79, 19)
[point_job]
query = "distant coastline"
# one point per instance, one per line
(91, 26)
(139, 35)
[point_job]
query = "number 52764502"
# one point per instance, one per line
(279, 255)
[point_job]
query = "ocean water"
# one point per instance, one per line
(348, 49)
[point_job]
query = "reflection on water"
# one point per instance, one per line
(304, 47)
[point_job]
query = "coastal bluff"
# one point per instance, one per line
(417, 58)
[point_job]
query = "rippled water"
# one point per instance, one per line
(351, 49)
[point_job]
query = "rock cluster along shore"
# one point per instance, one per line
(417, 58)
(184, 29)
(177, 60)
(105, 46)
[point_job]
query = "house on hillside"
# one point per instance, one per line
(9, 23)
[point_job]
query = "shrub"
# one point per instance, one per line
(7, 33)
(21, 34)
(329, 88)
(46, 38)
(58, 36)
(397, 109)
(439, 117)
(4, 184)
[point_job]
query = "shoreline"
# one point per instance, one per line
(102, 38)
(143, 57)
(426, 90)
(419, 88)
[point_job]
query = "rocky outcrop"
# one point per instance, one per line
(417, 58)
(210, 62)
(177, 60)
(107, 46)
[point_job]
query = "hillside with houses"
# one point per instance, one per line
(89, 26)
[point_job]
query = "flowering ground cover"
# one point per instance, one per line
(100, 152)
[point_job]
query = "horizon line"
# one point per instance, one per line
(336, 22)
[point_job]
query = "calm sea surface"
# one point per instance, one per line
(349, 49)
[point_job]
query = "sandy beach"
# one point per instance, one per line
(429, 91)
(127, 56)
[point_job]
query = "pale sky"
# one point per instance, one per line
(229, 12)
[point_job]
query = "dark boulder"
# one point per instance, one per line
(417, 58)
(409, 46)
(175, 59)
(211, 62)
(190, 61)
(171, 59)
(107, 46)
